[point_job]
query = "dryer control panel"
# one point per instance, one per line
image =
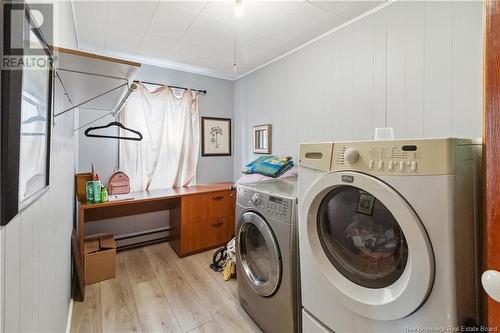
(267, 204)
(396, 157)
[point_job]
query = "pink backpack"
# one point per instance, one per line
(118, 183)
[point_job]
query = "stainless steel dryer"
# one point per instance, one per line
(267, 254)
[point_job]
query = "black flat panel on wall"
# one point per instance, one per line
(11, 82)
(10, 133)
(1, 92)
(25, 106)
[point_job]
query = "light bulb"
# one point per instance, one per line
(239, 9)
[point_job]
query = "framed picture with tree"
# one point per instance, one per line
(215, 136)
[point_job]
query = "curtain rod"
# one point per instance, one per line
(204, 92)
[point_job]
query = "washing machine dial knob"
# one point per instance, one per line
(351, 155)
(256, 199)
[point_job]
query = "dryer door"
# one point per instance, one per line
(259, 254)
(369, 243)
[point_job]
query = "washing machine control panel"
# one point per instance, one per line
(269, 205)
(396, 157)
(277, 207)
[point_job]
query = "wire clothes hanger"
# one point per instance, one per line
(115, 113)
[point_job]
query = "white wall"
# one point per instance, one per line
(413, 66)
(35, 252)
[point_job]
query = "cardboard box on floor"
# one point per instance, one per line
(100, 258)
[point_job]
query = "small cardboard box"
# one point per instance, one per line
(100, 258)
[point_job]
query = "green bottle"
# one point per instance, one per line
(104, 194)
(97, 190)
(89, 191)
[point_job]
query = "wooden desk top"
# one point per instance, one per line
(153, 195)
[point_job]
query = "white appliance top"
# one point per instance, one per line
(386, 157)
(277, 187)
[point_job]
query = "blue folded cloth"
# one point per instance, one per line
(271, 166)
(250, 167)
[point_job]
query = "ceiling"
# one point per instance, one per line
(198, 36)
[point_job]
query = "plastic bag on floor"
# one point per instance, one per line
(230, 265)
(224, 260)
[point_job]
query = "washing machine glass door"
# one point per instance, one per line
(361, 237)
(370, 244)
(259, 254)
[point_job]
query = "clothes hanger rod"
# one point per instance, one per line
(93, 108)
(63, 86)
(91, 74)
(119, 108)
(204, 92)
(57, 70)
(114, 113)
(93, 121)
(91, 99)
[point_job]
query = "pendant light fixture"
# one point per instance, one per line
(239, 11)
(234, 51)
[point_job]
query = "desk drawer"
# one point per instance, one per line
(206, 234)
(198, 208)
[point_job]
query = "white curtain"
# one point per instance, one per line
(168, 153)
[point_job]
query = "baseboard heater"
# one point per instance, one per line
(141, 238)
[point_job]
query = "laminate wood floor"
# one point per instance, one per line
(156, 291)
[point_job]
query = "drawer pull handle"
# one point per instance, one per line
(217, 198)
(218, 224)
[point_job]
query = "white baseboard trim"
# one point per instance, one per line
(70, 315)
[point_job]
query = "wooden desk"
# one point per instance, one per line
(201, 217)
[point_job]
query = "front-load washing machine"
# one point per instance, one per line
(387, 235)
(267, 255)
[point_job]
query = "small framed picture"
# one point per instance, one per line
(215, 136)
(365, 204)
(262, 139)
